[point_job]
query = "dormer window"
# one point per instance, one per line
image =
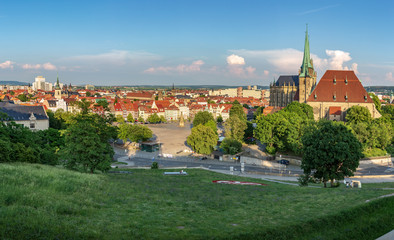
(335, 97)
(335, 80)
(346, 97)
(365, 97)
(315, 96)
(346, 80)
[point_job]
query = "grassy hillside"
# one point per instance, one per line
(42, 202)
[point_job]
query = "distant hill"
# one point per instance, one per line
(13, 83)
(208, 87)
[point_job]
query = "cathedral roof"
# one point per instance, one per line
(339, 86)
(287, 80)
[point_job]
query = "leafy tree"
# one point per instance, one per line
(238, 110)
(357, 114)
(103, 103)
(219, 119)
(97, 95)
(12, 93)
(248, 131)
(302, 109)
(202, 139)
(153, 118)
(235, 128)
(88, 94)
(162, 119)
(86, 144)
(331, 152)
(376, 101)
(212, 125)
(5, 150)
(258, 112)
(202, 117)
(246, 106)
(140, 119)
(231, 146)
(83, 105)
(22, 97)
(120, 119)
(130, 118)
(135, 133)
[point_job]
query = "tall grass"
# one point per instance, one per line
(43, 202)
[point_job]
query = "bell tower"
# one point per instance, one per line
(307, 74)
(58, 90)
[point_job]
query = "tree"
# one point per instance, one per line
(202, 117)
(219, 119)
(302, 109)
(119, 119)
(235, 128)
(245, 106)
(162, 119)
(130, 118)
(376, 101)
(258, 112)
(103, 103)
(22, 97)
(141, 119)
(83, 105)
(357, 114)
(88, 94)
(135, 133)
(212, 125)
(202, 139)
(153, 118)
(231, 146)
(331, 152)
(238, 110)
(86, 144)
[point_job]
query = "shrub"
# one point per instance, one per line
(155, 165)
(303, 180)
(231, 146)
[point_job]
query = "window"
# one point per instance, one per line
(32, 125)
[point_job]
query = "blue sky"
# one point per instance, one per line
(193, 42)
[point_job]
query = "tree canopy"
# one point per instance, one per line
(134, 133)
(235, 128)
(130, 118)
(153, 118)
(302, 109)
(202, 139)
(231, 146)
(330, 151)
(238, 110)
(376, 101)
(357, 114)
(202, 117)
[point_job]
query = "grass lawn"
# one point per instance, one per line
(43, 202)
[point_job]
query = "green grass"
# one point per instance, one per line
(43, 202)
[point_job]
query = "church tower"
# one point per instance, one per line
(307, 74)
(58, 90)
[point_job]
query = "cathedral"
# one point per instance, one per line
(290, 88)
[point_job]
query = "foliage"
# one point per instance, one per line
(212, 125)
(86, 144)
(130, 118)
(245, 106)
(119, 119)
(140, 119)
(202, 117)
(162, 119)
(88, 94)
(135, 133)
(302, 109)
(248, 133)
(155, 165)
(238, 110)
(102, 103)
(376, 101)
(219, 119)
(235, 128)
(83, 105)
(202, 139)
(303, 180)
(258, 112)
(59, 119)
(231, 146)
(330, 151)
(22, 97)
(153, 118)
(357, 114)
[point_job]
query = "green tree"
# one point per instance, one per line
(22, 97)
(231, 146)
(245, 106)
(153, 118)
(87, 145)
(202, 117)
(258, 112)
(248, 131)
(302, 109)
(331, 152)
(83, 105)
(103, 103)
(212, 125)
(376, 101)
(119, 119)
(219, 119)
(235, 128)
(88, 94)
(140, 119)
(357, 114)
(238, 110)
(162, 119)
(130, 118)
(135, 133)
(202, 139)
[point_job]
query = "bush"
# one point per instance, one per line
(270, 150)
(303, 180)
(231, 146)
(155, 165)
(374, 152)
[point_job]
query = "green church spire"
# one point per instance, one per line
(306, 62)
(57, 86)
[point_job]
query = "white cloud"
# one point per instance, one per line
(266, 72)
(389, 76)
(355, 68)
(235, 60)
(182, 68)
(337, 59)
(45, 66)
(7, 64)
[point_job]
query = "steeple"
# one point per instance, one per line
(306, 62)
(57, 86)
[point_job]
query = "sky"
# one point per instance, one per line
(204, 42)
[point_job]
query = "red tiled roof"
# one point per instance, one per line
(335, 111)
(327, 88)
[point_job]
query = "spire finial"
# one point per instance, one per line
(306, 62)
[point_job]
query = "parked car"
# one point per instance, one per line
(204, 158)
(285, 162)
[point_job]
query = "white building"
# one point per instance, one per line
(40, 84)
